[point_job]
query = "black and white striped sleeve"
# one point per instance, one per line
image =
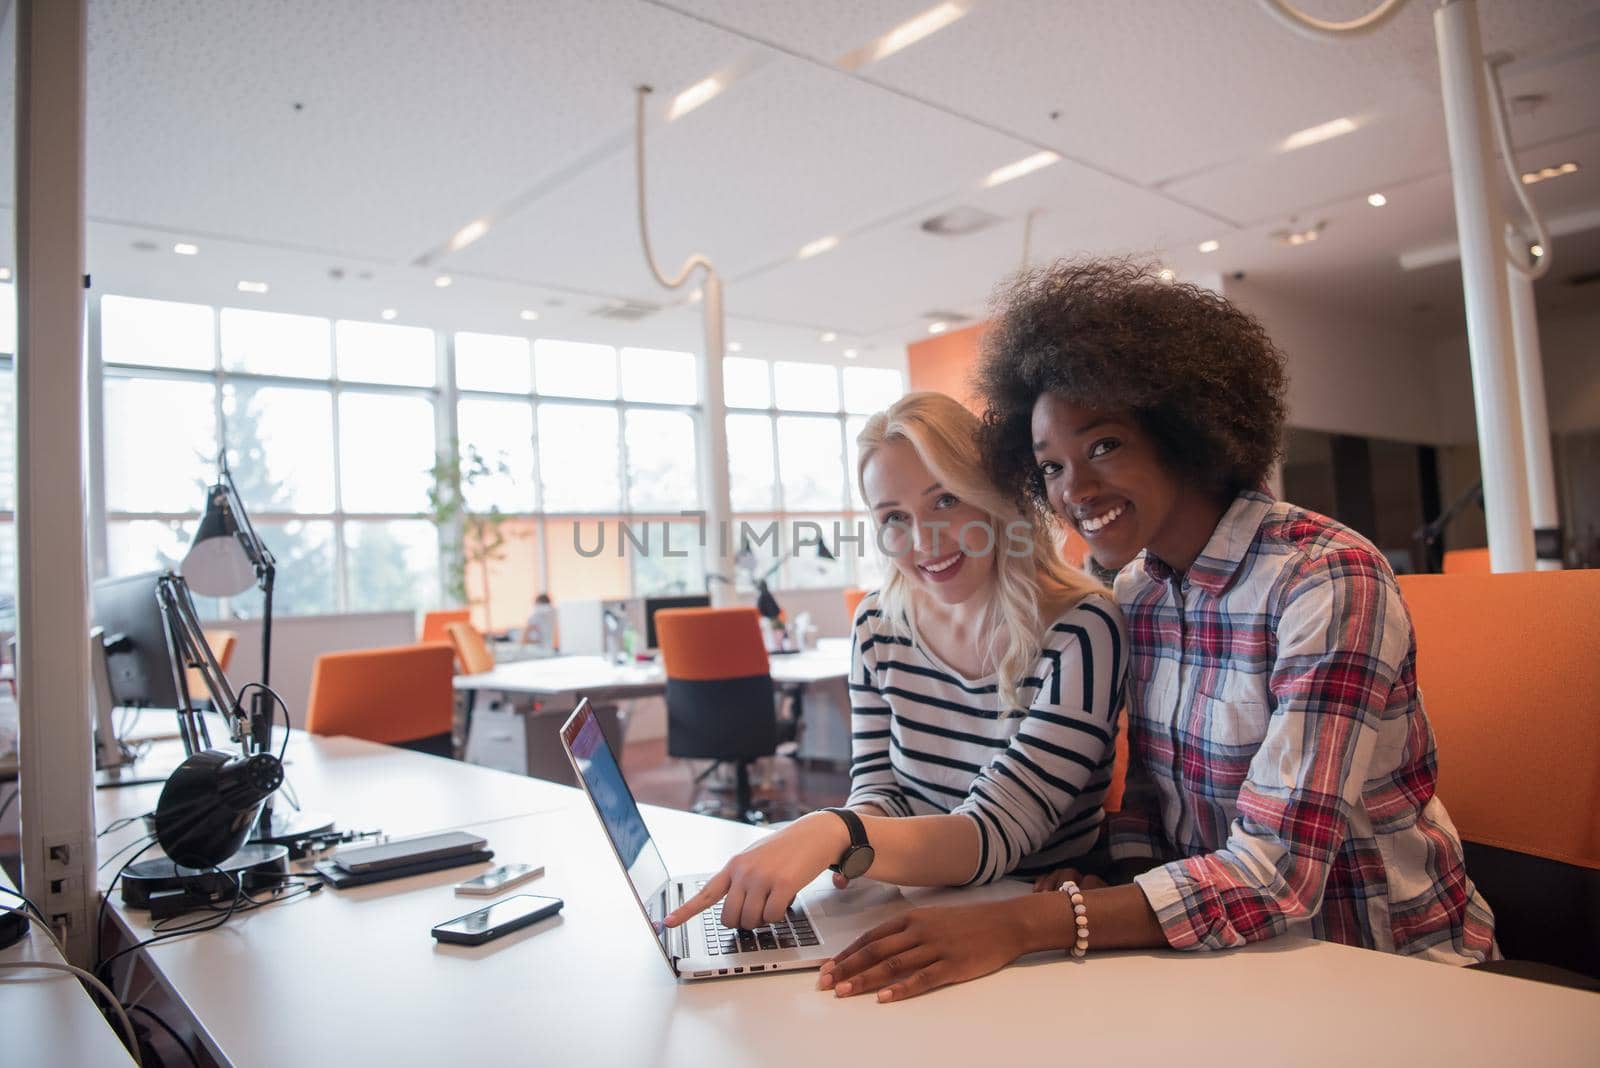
(872, 779)
(1044, 777)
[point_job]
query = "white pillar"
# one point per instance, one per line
(1535, 423)
(714, 493)
(58, 841)
(1483, 277)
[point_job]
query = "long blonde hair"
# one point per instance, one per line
(1031, 588)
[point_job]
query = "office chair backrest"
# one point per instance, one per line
(222, 643)
(1466, 561)
(391, 695)
(1509, 669)
(472, 652)
(434, 623)
(720, 702)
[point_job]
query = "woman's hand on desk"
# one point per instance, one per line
(760, 883)
(927, 948)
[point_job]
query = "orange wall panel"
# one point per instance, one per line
(944, 364)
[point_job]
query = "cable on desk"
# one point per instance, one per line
(145, 840)
(130, 1037)
(187, 1052)
(100, 916)
(116, 825)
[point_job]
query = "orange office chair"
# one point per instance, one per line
(720, 703)
(222, 643)
(1509, 674)
(399, 696)
(852, 601)
(472, 652)
(434, 623)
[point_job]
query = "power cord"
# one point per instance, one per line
(159, 1022)
(130, 1036)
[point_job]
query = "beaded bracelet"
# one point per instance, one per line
(1080, 918)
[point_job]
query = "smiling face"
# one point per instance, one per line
(1103, 474)
(942, 545)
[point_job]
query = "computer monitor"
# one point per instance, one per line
(138, 661)
(652, 605)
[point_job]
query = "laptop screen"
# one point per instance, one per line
(618, 811)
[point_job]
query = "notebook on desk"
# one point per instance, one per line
(821, 922)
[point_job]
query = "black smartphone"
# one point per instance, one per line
(503, 917)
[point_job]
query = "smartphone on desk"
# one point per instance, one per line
(502, 878)
(501, 918)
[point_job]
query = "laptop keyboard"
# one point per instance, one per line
(791, 932)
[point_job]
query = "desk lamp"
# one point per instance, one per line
(212, 801)
(226, 559)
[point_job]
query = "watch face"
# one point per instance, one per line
(856, 862)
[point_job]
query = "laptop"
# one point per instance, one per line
(821, 922)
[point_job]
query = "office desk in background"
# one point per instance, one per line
(353, 977)
(509, 733)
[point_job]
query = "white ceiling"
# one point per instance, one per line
(295, 138)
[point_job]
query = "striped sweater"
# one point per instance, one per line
(928, 741)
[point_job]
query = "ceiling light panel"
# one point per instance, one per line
(1315, 135)
(1012, 171)
(1544, 174)
(922, 25)
(697, 94)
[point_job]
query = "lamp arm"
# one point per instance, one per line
(186, 642)
(255, 549)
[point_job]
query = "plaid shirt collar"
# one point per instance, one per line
(1223, 557)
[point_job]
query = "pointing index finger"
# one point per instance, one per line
(709, 895)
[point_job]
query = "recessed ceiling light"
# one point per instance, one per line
(819, 246)
(442, 281)
(1299, 237)
(938, 328)
(388, 314)
(1546, 173)
(906, 34)
(1209, 246)
(1166, 274)
(5, 274)
(1377, 200)
(1536, 250)
(529, 315)
(734, 346)
(828, 337)
(468, 234)
(1028, 165)
(851, 354)
(1312, 135)
(183, 248)
(692, 97)
(252, 287)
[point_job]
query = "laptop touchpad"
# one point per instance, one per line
(864, 895)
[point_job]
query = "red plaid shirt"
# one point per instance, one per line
(1282, 765)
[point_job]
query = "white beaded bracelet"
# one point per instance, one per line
(1080, 918)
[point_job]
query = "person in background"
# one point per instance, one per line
(540, 630)
(1282, 771)
(985, 677)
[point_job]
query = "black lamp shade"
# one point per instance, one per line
(210, 803)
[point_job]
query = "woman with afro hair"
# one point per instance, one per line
(1282, 771)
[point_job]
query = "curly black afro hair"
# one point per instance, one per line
(1198, 375)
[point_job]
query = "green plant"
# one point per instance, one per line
(468, 539)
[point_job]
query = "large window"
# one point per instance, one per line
(333, 429)
(333, 465)
(792, 464)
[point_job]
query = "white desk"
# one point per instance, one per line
(46, 1016)
(360, 975)
(513, 736)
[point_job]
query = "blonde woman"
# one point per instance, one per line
(985, 678)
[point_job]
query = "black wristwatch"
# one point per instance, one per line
(858, 855)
